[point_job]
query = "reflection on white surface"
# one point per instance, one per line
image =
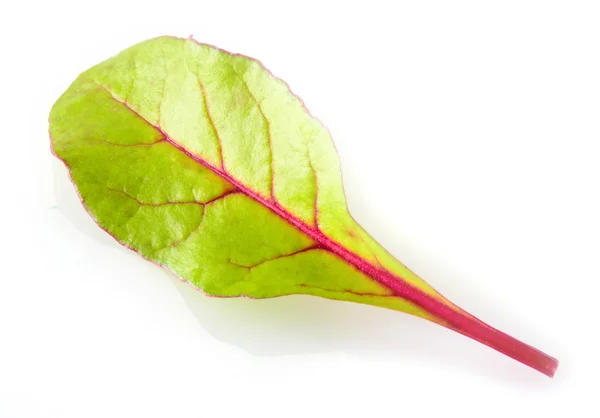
(300, 324)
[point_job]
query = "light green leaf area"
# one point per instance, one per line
(190, 155)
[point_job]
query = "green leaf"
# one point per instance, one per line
(206, 164)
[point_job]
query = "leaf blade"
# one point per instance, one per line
(265, 170)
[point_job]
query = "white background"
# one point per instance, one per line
(468, 133)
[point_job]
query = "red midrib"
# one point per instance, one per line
(461, 322)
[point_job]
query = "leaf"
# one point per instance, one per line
(206, 164)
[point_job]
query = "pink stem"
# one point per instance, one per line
(479, 331)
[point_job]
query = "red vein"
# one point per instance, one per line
(269, 138)
(461, 322)
(208, 114)
(212, 122)
(139, 202)
(227, 193)
(312, 247)
(141, 144)
(191, 202)
(352, 292)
